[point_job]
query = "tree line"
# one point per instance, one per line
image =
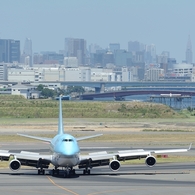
(45, 92)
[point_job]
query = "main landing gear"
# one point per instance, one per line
(40, 165)
(55, 171)
(67, 172)
(87, 170)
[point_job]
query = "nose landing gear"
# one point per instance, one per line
(41, 171)
(68, 172)
(86, 171)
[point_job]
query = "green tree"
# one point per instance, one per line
(76, 89)
(45, 92)
(40, 87)
(48, 93)
(60, 92)
(189, 109)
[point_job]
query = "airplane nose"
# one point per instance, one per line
(68, 149)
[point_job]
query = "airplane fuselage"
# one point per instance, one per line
(65, 151)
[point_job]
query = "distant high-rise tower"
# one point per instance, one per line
(133, 46)
(28, 47)
(76, 48)
(114, 47)
(151, 53)
(189, 54)
(9, 50)
(27, 52)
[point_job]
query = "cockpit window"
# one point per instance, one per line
(67, 140)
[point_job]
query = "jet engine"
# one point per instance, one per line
(15, 165)
(114, 165)
(150, 161)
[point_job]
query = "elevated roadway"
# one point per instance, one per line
(101, 85)
(123, 84)
(119, 95)
(112, 83)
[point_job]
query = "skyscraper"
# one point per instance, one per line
(28, 47)
(150, 54)
(189, 54)
(114, 47)
(93, 48)
(27, 55)
(9, 50)
(76, 48)
(133, 46)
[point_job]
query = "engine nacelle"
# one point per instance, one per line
(14, 165)
(150, 161)
(114, 165)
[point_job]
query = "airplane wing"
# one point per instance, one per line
(25, 158)
(107, 158)
(45, 139)
(87, 137)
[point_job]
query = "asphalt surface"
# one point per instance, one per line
(137, 179)
(169, 178)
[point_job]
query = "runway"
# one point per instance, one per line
(168, 178)
(177, 178)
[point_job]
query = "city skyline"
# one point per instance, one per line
(166, 24)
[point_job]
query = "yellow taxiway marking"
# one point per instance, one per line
(63, 188)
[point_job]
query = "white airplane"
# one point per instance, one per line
(170, 95)
(65, 153)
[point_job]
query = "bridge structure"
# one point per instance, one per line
(154, 89)
(100, 86)
(176, 101)
(119, 95)
(134, 88)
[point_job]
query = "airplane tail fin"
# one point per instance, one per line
(60, 118)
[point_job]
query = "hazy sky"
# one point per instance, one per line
(165, 23)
